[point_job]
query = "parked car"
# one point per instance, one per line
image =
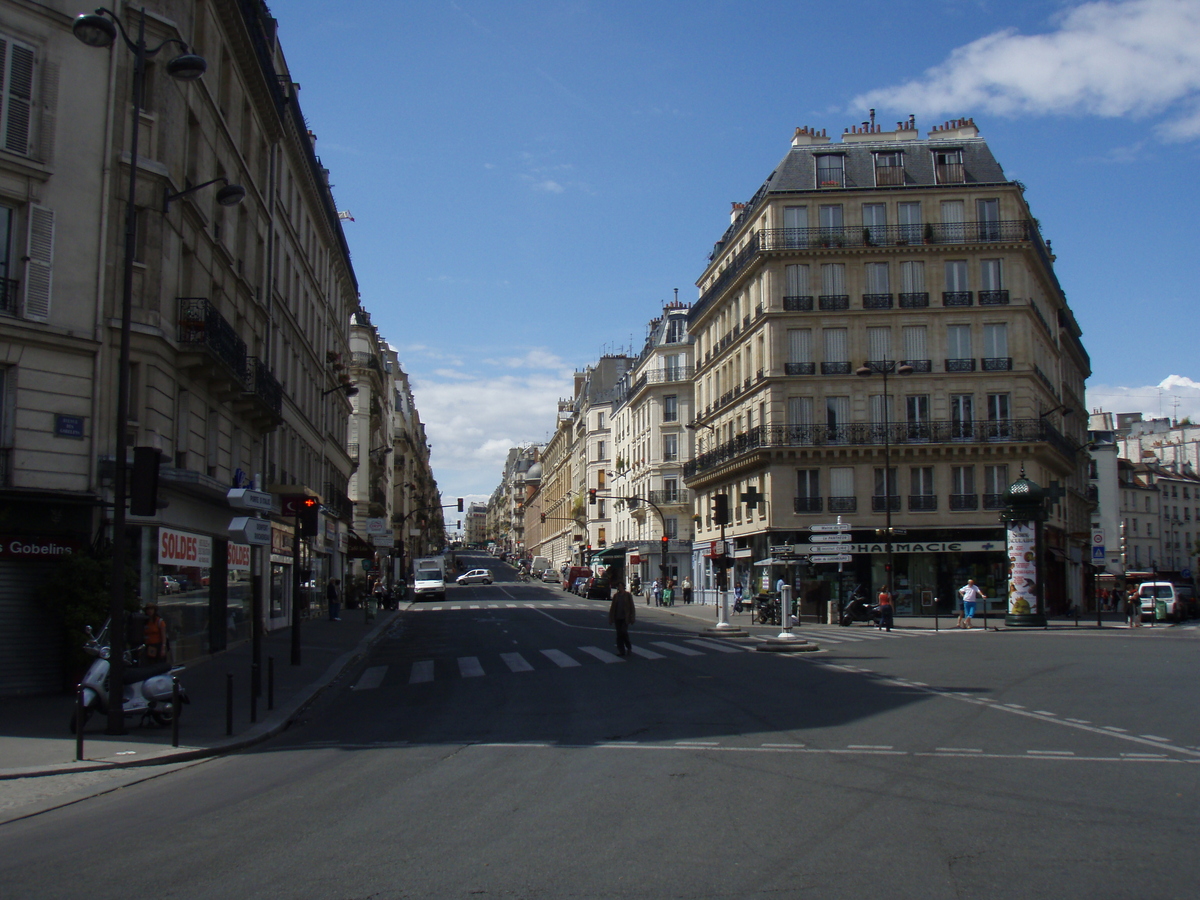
(550, 576)
(599, 589)
(167, 585)
(572, 576)
(1176, 597)
(476, 576)
(579, 585)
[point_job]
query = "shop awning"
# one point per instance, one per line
(609, 553)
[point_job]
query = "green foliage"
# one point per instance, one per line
(77, 592)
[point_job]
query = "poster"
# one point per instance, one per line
(1022, 569)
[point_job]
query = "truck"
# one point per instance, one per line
(429, 578)
(538, 565)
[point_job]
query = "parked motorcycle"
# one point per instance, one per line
(148, 688)
(859, 610)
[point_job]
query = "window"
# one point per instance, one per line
(962, 414)
(837, 352)
(600, 509)
(676, 329)
(956, 275)
(878, 281)
(8, 283)
(987, 212)
(599, 451)
(995, 347)
(600, 421)
(16, 96)
(991, 283)
(879, 343)
(948, 165)
(799, 359)
(673, 370)
(916, 347)
(808, 490)
(916, 417)
(921, 495)
(833, 286)
(912, 285)
(841, 489)
(799, 411)
(670, 447)
(671, 408)
(886, 493)
(837, 415)
(889, 167)
(958, 342)
(795, 226)
(962, 488)
(874, 222)
(671, 527)
(601, 540)
(671, 490)
(831, 170)
(797, 283)
(999, 411)
(600, 479)
(909, 215)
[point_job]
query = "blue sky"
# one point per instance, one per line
(530, 181)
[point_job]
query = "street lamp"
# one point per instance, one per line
(230, 195)
(885, 367)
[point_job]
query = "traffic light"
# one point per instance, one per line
(308, 514)
(543, 518)
(665, 540)
(143, 486)
(720, 509)
(592, 496)
(460, 505)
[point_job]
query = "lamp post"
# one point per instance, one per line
(885, 367)
(100, 29)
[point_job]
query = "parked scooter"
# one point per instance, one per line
(148, 688)
(858, 610)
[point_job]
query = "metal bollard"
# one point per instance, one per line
(270, 682)
(78, 722)
(253, 696)
(174, 711)
(228, 703)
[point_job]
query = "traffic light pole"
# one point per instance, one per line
(296, 592)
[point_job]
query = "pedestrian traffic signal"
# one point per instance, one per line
(143, 487)
(308, 514)
(592, 496)
(720, 509)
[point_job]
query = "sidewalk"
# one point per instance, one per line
(34, 731)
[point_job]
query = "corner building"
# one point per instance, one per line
(916, 263)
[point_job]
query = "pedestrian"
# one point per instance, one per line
(621, 614)
(331, 595)
(886, 609)
(1133, 612)
(154, 637)
(687, 589)
(970, 593)
(669, 592)
(657, 591)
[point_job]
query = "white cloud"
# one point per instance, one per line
(1176, 396)
(1111, 59)
(549, 186)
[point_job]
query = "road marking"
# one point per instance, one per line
(559, 658)
(1052, 752)
(371, 678)
(516, 662)
(713, 645)
(697, 743)
(685, 651)
(785, 746)
(1154, 737)
(646, 654)
(422, 670)
(469, 667)
(958, 749)
(602, 655)
(869, 747)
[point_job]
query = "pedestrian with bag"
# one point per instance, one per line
(155, 642)
(669, 593)
(621, 614)
(970, 593)
(657, 591)
(886, 610)
(687, 589)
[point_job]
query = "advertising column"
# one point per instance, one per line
(1023, 515)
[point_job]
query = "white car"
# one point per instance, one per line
(475, 576)
(551, 577)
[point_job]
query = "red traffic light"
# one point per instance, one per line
(308, 502)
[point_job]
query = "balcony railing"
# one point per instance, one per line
(964, 501)
(676, 497)
(993, 298)
(843, 504)
(263, 386)
(889, 176)
(10, 299)
(914, 300)
(808, 504)
(833, 301)
(956, 298)
(988, 431)
(960, 365)
(880, 503)
(922, 502)
(201, 325)
(918, 365)
(993, 501)
(798, 304)
(835, 368)
(799, 368)
(877, 301)
(996, 363)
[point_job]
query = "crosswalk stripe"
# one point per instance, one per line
(559, 658)
(516, 662)
(685, 651)
(469, 667)
(510, 605)
(422, 670)
(713, 645)
(602, 655)
(646, 654)
(371, 678)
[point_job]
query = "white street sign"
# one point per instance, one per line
(836, 526)
(834, 548)
(837, 558)
(244, 498)
(248, 530)
(382, 540)
(376, 526)
(828, 538)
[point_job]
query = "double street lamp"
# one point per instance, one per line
(101, 29)
(886, 367)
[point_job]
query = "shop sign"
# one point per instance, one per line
(239, 557)
(181, 548)
(376, 526)
(281, 541)
(12, 547)
(905, 547)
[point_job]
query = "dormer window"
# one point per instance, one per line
(948, 165)
(889, 168)
(831, 170)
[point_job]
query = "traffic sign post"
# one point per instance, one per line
(832, 558)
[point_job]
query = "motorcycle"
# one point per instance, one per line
(858, 610)
(148, 688)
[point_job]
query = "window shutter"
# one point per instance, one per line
(16, 94)
(38, 267)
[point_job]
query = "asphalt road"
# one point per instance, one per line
(494, 746)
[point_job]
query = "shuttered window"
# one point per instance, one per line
(836, 345)
(799, 411)
(879, 344)
(39, 262)
(16, 95)
(797, 281)
(799, 345)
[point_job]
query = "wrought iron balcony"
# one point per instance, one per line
(833, 302)
(993, 298)
(918, 365)
(799, 368)
(843, 504)
(835, 368)
(677, 497)
(202, 327)
(337, 504)
(922, 502)
(880, 503)
(988, 431)
(10, 299)
(996, 363)
(877, 301)
(993, 501)
(964, 501)
(798, 304)
(808, 504)
(957, 298)
(262, 386)
(960, 365)
(914, 300)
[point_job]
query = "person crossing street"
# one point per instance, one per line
(621, 614)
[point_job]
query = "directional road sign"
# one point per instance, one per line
(836, 526)
(834, 548)
(828, 538)
(835, 558)
(248, 530)
(244, 498)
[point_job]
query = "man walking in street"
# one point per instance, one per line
(886, 610)
(970, 594)
(621, 614)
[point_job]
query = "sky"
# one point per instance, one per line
(531, 180)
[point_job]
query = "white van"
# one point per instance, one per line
(1175, 596)
(538, 565)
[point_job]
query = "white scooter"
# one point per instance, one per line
(148, 689)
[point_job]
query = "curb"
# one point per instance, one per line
(276, 723)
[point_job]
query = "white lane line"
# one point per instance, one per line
(1042, 712)
(453, 607)
(713, 645)
(1115, 728)
(675, 648)
(697, 744)
(1154, 737)
(1051, 752)
(422, 670)
(1144, 755)
(1080, 721)
(602, 655)
(516, 662)
(785, 746)
(371, 678)
(469, 667)
(869, 747)
(958, 749)
(646, 654)
(559, 658)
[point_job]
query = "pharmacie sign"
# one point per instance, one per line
(181, 548)
(908, 547)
